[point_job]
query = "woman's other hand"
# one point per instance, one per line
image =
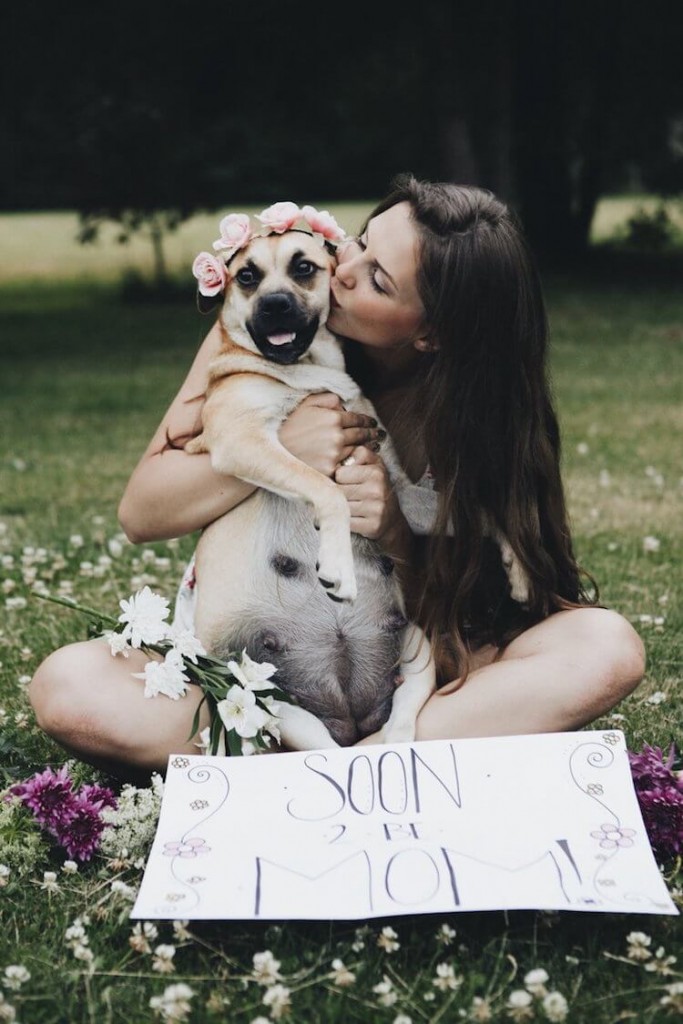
(322, 433)
(375, 512)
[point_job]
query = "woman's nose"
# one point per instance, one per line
(346, 272)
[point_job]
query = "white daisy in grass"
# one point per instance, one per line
(555, 1006)
(388, 940)
(266, 969)
(340, 974)
(278, 1000)
(16, 975)
(174, 1004)
(534, 981)
(385, 992)
(163, 959)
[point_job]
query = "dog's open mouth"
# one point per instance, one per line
(282, 343)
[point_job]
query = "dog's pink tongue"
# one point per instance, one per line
(281, 339)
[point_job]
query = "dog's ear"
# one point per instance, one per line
(208, 303)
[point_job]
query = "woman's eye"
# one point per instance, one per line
(305, 268)
(246, 276)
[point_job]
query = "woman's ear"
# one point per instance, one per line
(425, 345)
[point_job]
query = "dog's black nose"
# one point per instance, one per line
(276, 304)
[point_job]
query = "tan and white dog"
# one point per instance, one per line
(340, 654)
(339, 639)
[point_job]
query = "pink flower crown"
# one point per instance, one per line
(236, 232)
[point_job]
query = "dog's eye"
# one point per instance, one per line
(246, 276)
(304, 268)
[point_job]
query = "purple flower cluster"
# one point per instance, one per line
(659, 789)
(72, 817)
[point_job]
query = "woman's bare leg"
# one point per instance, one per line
(556, 677)
(89, 702)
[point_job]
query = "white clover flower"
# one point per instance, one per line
(445, 935)
(180, 932)
(385, 990)
(75, 934)
(651, 544)
(266, 970)
(239, 711)
(340, 974)
(174, 1004)
(555, 1006)
(164, 677)
(253, 675)
(519, 1006)
(15, 604)
(142, 934)
(277, 999)
(402, 1018)
(535, 980)
(75, 540)
(480, 1010)
(83, 953)
(582, 448)
(144, 614)
(658, 697)
(359, 938)
(7, 1011)
(115, 547)
(120, 888)
(660, 963)
(5, 872)
(163, 959)
(605, 478)
(387, 940)
(638, 946)
(674, 997)
(446, 978)
(49, 883)
(16, 975)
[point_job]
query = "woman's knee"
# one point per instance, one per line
(61, 691)
(618, 648)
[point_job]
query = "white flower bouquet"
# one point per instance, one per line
(242, 700)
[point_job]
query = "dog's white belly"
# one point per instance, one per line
(257, 588)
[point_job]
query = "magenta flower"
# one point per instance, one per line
(650, 770)
(50, 796)
(659, 789)
(662, 811)
(80, 836)
(101, 796)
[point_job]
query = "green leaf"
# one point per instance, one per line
(195, 720)
(234, 743)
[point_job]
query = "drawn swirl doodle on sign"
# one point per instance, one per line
(199, 775)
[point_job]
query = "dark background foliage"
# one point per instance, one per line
(135, 108)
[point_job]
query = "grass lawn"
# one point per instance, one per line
(85, 380)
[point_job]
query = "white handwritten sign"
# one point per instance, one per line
(547, 821)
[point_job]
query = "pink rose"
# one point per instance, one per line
(324, 223)
(235, 232)
(211, 274)
(280, 216)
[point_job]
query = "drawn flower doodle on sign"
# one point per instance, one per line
(199, 805)
(187, 848)
(180, 762)
(612, 836)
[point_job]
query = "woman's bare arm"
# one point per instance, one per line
(171, 493)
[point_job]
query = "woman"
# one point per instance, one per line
(446, 332)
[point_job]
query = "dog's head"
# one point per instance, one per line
(278, 294)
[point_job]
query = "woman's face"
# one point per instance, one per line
(374, 296)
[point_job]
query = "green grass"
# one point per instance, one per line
(85, 379)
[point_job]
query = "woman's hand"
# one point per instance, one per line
(375, 512)
(322, 433)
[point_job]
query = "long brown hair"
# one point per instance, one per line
(488, 422)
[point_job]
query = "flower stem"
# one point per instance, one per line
(78, 608)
